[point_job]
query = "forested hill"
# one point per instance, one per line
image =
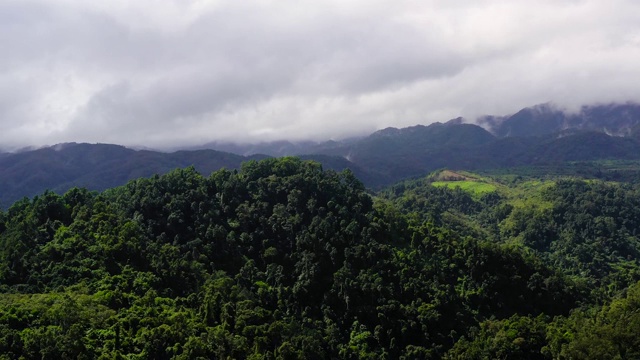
(94, 166)
(102, 166)
(283, 260)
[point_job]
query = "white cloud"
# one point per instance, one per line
(161, 73)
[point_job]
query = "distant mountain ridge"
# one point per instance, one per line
(539, 120)
(533, 136)
(612, 119)
(102, 166)
(95, 166)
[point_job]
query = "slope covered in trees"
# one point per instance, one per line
(284, 260)
(103, 166)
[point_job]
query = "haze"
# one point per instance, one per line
(177, 73)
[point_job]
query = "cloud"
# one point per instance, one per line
(174, 73)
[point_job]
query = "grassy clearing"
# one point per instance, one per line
(475, 188)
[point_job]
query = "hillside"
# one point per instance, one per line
(284, 260)
(97, 167)
(102, 166)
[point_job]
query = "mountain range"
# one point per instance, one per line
(539, 135)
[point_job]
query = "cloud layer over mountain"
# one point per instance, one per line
(166, 73)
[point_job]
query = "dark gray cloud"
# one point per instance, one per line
(166, 73)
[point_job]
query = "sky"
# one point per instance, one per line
(168, 73)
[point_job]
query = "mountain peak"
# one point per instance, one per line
(544, 119)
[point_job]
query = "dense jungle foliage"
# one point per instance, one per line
(282, 260)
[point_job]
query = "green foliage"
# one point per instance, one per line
(284, 260)
(607, 332)
(475, 188)
(518, 337)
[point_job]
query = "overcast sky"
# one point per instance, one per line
(162, 73)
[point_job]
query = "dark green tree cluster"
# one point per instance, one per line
(600, 332)
(282, 260)
(582, 240)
